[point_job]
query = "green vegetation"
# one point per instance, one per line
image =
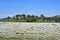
(31, 18)
(30, 38)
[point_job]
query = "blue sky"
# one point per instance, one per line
(36, 7)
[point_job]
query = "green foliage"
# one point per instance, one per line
(31, 18)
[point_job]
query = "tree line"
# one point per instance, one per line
(32, 18)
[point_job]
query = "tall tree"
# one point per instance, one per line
(23, 16)
(33, 16)
(28, 16)
(18, 16)
(8, 17)
(42, 17)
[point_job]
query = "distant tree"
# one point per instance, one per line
(34, 19)
(28, 16)
(17, 16)
(42, 17)
(37, 17)
(23, 16)
(8, 17)
(13, 17)
(32, 16)
(57, 18)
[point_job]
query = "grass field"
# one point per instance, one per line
(29, 31)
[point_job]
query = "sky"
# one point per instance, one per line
(32, 7)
